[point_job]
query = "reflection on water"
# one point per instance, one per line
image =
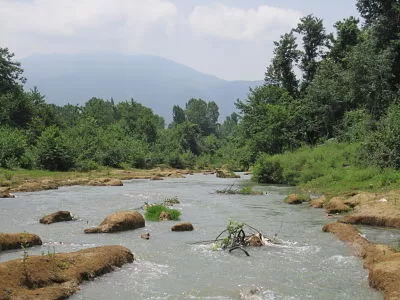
(308, 264)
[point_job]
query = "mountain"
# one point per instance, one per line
(153, 81)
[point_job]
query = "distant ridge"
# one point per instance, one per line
(153, 81)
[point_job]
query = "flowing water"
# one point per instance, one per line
(309, 264)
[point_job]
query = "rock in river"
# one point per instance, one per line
(17, 240)
(59, 216)
(119, 221)
(58, 276)
(182, 227)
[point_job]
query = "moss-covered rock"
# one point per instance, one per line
(119, 221)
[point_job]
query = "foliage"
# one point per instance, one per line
(281, 69)
(53, 152)
(11, 73)
(331, 168)
(382, 147)
(13, 144)
(315, 42)
(153, 212)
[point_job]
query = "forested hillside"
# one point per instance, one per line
(321, 90)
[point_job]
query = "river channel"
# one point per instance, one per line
(309, 264)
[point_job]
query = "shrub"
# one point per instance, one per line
(267, 170)
(153, 212)
(12, 147)
(53, 153)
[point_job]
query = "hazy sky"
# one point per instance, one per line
(229, 39)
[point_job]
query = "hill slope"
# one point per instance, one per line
(153, 81)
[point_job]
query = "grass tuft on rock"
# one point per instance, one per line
(153, 213)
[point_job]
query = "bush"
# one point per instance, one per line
(87, 165)
(267, 170)
(382, 148)
(153, 212)
(53, 153)
(12, 147)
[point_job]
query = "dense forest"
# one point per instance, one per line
(338, 92)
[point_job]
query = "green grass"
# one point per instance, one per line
(329, 168)
(153, 212)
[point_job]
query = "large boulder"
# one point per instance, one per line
(20, 240)
(182, 227)
(297, 198)
(59, 216)
(337, 205)
(119, 221)
(318, 203)
(57, 276)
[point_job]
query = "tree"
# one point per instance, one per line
(11, 77)
(315, 41)
(347, 36)
(268, 120)
(101, 110)
(281, 69)
(203, 114)
(178, 115)
(383, 17)
(53, 153)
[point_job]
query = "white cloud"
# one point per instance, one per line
(265, 22)
(87, 20)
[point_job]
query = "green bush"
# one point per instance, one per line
(53, 153)
(267, 170)
(153, 212)
(12, 147)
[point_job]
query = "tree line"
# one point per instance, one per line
(319, 87)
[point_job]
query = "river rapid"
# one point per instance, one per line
(309, 264)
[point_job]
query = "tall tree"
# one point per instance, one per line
(347, 36)
(315, 42)
(11, 77)
(281, 70)
(383, 17)
(203, 114)
(178, 114)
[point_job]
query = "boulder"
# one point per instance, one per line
(59, 216)
(156, 178)
(336, 205)
(106, 182)
(119, 221)
(164, 216)
(10, 241)
(182, 227)
(57, 276)
(318, 203)
(297, 198)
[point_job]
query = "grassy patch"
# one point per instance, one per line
(153, 212)
(331, 168)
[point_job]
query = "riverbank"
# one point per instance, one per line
(38, 180)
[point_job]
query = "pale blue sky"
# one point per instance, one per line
(229, 39)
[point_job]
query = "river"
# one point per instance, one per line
(309, 264)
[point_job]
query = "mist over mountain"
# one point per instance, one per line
(150, 80)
